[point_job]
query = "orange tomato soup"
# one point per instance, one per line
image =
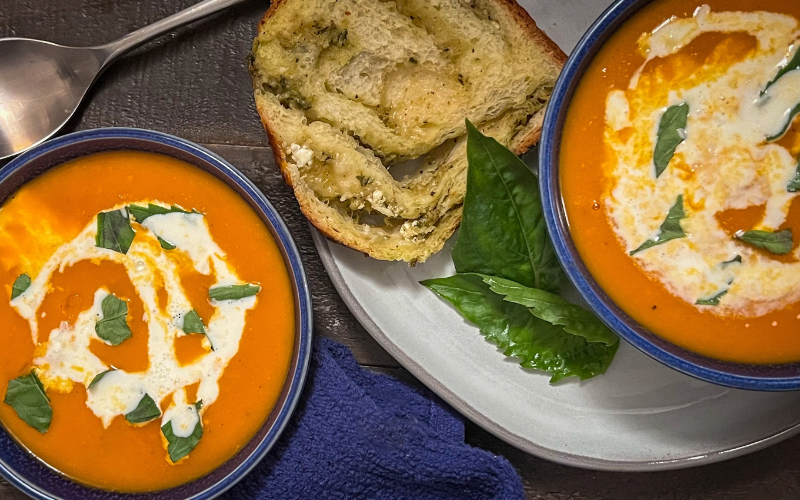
(53, 209)
(586, 183)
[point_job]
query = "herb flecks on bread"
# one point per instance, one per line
(348, 90)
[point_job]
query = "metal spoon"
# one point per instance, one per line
(42, 84)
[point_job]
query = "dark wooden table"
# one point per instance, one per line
(194, 84)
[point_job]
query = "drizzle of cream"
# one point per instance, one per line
(67, 358)
(184, 416)
(724, 163)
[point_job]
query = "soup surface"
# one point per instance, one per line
(679, 170)
(141, 345)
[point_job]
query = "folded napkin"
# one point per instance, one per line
(362, 435)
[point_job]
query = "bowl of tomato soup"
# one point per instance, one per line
(157, 319)
(669, 173)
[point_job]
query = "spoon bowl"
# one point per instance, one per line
(42, 84)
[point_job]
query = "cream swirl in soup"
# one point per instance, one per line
(726, 159)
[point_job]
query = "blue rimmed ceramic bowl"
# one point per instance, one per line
(738, 375)
(37, 479)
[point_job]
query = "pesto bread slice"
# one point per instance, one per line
(365, 102)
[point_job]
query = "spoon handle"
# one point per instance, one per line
(207, 7)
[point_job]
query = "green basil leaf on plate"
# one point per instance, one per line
(779, 243)
(114, 231)
(712, 301)
(113, 326)
(793, 64)
(166, 245)
(537, 343)
(97, 378)
(788, 123)
(145, 411)
(179, 447)
(140, 213)
(192, 323)
(26, 395)
(503, 231)
(233, 292)
(554, 309)
(22, 283)
(671, 132)
(670, 228)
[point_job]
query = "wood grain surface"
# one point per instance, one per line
(194, 84)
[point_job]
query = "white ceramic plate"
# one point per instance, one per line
(639, 416)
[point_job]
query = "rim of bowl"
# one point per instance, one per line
(776, 377)
(298, 370)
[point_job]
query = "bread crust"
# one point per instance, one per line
(520, 146)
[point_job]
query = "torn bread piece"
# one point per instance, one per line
(365, 102)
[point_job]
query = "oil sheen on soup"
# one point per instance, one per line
(148, 320)
(679, 173)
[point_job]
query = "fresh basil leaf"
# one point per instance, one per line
(712, 301)
(198, 406)
(26, 395)
(166, 245)
(145, 411)
(671, 132)
(192, 323)
(788, 123)
(554, 309)
(140, 214)
(21, 284)
(113, 327)
(233, 292)
(793, 185)
(670, 229)
(97, 378)
(793, 64)
(537, 343)
(179, 447)
(737, 259)
(503, 231)
(779, 243)
(114, 231)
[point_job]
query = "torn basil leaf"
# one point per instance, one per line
(536, 343)
(554, 309)
(192, 323)
(114, 231)
(793, 64)
(113, 327)
(671, 132)
(97, 378)
(793, 185)
(145, 411)
(26, 395)
(503, 231)
(21, 284)
(713, 301)
(166, 245)
(779, 243)
(140, 214)
(736, 259)
(179, 447)
(233, 292)
(670, 229)
(788, 123)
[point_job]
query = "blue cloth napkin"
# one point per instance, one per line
(362, 435)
